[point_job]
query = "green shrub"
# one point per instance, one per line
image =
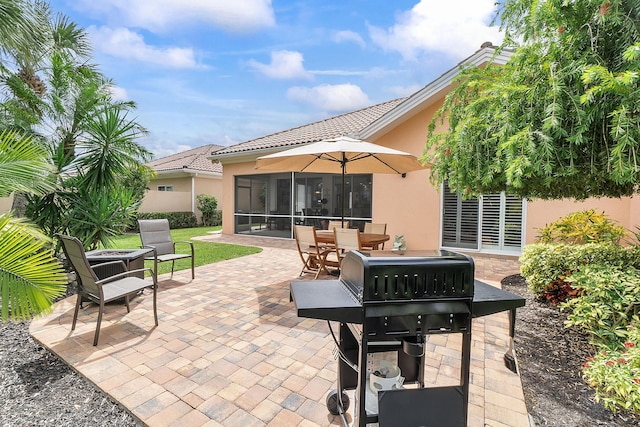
(176, 219)
(582, 227)
(543, 264)
(608, 303)
(208, 205)
(615, 374)
(216, 218)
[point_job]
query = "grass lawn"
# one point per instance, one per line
(205, 252)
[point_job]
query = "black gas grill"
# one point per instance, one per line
(389, 302)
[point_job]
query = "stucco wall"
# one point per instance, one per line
(180, 199)
(410, 206)
(539, 213)
(6, 203)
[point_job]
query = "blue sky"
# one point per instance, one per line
(226, 71)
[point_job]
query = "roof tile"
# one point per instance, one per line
(194, 159)
(342, 125)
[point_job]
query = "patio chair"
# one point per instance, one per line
(375, 228)
(102, 291)
(338, 224)
(155, 234)
(347, 239)
(313, 255)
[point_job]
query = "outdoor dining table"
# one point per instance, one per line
(368, 240)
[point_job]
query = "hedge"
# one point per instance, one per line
(176, 219)
(542, 264)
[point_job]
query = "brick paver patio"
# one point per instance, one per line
(230, 351)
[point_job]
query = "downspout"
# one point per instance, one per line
(193, 194)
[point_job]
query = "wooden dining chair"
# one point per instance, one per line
(346, 239)
(375, 228)
(313, 255)
(337, 224)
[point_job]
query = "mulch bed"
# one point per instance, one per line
(550, 361)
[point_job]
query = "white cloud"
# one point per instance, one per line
(402, 91)
(348, 36)
(284, 65)
(119, 93)
(454, 27)
(330, 98)
(123, 43)
(162, 15)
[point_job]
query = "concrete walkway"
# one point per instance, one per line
(230, 351)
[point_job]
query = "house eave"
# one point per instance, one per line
(245, 156)
(186, 172)
(428, 95)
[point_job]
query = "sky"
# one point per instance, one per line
(227, 71)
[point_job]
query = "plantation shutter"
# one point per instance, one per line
(501, 222)
(495, 221)
(459, 221)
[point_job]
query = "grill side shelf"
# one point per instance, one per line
(325, 300)
(328, 300)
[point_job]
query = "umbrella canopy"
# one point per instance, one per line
(342, 155)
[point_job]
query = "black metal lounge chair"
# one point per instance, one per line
(155, 234)
(102, 291)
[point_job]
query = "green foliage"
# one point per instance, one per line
(610, 301)
(23, 163)
(582, 227)
(560, 118)
(96, 217)
(30, 277)
(176, 219)
(615, 374)
(208, 205)
(543, 264)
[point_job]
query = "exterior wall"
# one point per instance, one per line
(623, 211)
(180, 199)
(6, 203)
(410, 206)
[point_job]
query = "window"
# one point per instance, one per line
(492, 223)
(270, 204)
(165, 187)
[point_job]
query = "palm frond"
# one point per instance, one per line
(30, 277)
(23, 164)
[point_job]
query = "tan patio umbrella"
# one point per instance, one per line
(341, 155)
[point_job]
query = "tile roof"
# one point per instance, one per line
(344, 124)
(194, 159)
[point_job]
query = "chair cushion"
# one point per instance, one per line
(122, 287)
(169, 257)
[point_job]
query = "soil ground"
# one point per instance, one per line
(550, 360)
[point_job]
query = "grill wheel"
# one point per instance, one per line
(332, 402)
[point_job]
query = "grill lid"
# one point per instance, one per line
(413, 275)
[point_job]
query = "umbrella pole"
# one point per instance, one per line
(344, 165)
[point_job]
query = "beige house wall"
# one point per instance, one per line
(6, 203)
(410, 206)
(539, 213)
(182, 198)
